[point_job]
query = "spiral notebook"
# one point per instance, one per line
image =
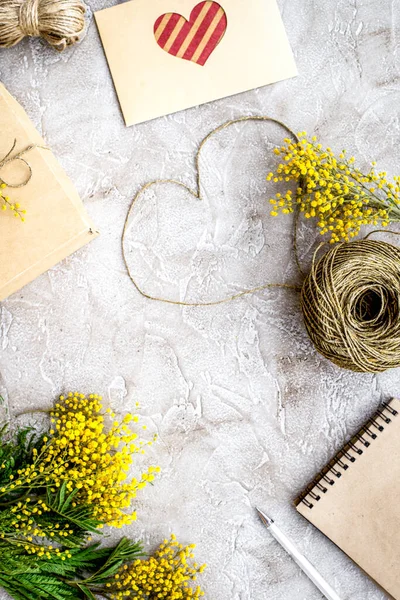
(355, 499)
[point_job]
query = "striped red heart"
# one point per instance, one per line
(195, 39)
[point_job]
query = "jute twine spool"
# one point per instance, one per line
(351, 305)
(59, 22)
(350, 300)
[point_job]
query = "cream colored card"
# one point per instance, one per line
(169, 55)
(55, 224)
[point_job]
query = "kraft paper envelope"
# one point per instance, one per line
(56, 223)
(226, 47)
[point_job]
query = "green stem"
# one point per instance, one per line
(96, 589)
(32, 412)
(380, 201)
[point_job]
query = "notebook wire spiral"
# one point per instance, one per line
(347, 455)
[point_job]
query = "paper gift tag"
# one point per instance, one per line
(169, 55)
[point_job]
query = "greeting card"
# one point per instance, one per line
(169, 55)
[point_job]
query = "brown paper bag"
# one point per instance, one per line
(56, 224)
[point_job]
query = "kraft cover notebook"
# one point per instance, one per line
(355, 499)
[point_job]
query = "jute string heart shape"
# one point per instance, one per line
(194, 39)
(197, 194)
(350, 300)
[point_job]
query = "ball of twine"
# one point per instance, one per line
(60, 22)
(351, 305)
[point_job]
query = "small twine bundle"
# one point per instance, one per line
(60, 22)
(351, 305)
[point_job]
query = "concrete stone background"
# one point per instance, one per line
(245, 409)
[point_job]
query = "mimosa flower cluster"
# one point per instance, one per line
(90, 459)
(60, 487)
(6, 203)
(82, 452)
(333, 190)
(168, 575)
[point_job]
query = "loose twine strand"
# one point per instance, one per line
(8, 159)
(350, 300)
(60, 22)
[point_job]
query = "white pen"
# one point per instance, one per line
(301, 560)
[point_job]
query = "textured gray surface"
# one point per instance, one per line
(245, 409)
